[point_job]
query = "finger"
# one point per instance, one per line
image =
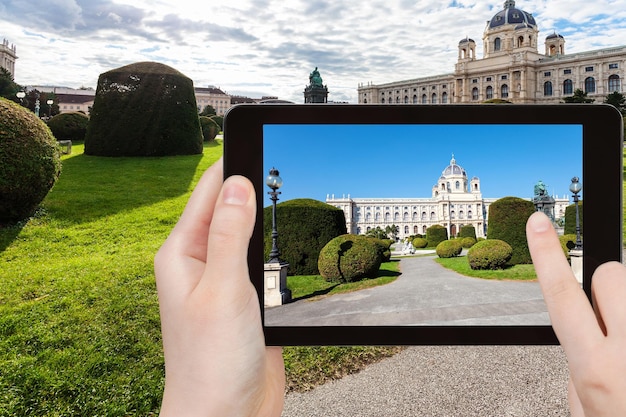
(571, 314)
(575, 406)
(229, 235)
(608, 288)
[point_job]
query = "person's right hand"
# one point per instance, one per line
(593, 338)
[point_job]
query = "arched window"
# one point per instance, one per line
(475, 93)
(568, 87)
(452, 214)
(406, 99)
(444, 98)
(469, 214)
(547, 88)
(432, 216)
(504, 91)
(358, 230)
(423, 216)
(457, 185)
(377, 216)
(365, 101)
(461, 214)
(433, 99)
(387, 216)
(520, 41)
(405, 217)
(497, 43)
(415, 230)
(414, 218)
(590, 85)
(415, 99)
(406, 230)
(489, 92)
(368, 217)
(396, 216)
(382, 100)
(423, 229)
(398, 99)
(424, 99)
(614, 83)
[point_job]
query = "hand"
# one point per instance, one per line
(594, 339)
(216, 361)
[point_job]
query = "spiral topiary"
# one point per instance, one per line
(489, 254)
(349, 258)
(30, 162)
(449, 248)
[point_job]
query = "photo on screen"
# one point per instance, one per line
(409, 184)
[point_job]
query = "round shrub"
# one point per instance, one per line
(507, 221)
(449, 248)
(570, 218)
(209, 128)
(468, 242)
(349, 258)
(304, 227)
(419, 243)
(489, 254)
(567, 243)
(435, 235)
(384, 248)
(144, 109)
(467, 231)
(30, 162)
(69, 126)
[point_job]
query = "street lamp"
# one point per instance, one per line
(274, 182)
(49, 102)
(21, 95)
(575, 188)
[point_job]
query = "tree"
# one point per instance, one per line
(8, 88)
(618, 100)
(377, 233)
(579, 97)
(392, 232)
(208, 111)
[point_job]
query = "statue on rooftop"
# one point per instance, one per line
(315, 79)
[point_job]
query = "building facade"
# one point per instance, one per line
(512, 69)
(8, 56)
(214, 97)
(456, 201)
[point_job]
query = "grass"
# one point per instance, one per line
(79, 319)
(461, 265)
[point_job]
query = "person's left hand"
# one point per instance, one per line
(216, 361)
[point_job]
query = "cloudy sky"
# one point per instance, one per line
(264, 47)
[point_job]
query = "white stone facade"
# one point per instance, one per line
(511, 69)
(8, 56)
(455, 201)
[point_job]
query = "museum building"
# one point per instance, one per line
(511, 69)
(456, 201)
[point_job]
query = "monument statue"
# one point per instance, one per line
(315, 79)
(543, 201)
(316, 91)
(540, 189)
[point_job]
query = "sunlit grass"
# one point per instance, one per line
(461, 265)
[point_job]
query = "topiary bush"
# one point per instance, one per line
(384, 248)
(570, 218)
(489, 254)
(144, 109)
(449, 248)
(209, 128)
(568, 242)
(69, 126)
(304, 226)
(507, 221)
(467, 231)
(349, 258)
(30, 162)
(419, 243)
(468, 242)
(435, 235)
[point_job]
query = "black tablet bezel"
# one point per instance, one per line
(602, 177)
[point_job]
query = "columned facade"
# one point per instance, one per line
(8, 56)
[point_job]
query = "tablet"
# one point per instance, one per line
(404, 168)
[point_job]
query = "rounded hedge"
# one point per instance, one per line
(384, 248)
(468, 242)
(349, 258)
(489, 254)
(570, 218)
(435, 235)
(304, 226)
(467, 231)
(507, 221)
(69, 126)
(30, 162)
(419, 243)
(209, 127)
(449, 248)
(144, 109)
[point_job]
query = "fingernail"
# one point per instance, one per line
(235, 193)
(540, 223)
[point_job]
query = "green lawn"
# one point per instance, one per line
(516, 272)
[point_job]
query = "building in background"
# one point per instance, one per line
(511, 69)
(8, 56)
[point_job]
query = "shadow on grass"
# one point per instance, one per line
(8, 234)
(315, 293)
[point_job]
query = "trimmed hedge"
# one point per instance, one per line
(209, 127)
(435, 235)
(489, 254)
(384, 248)
(507, 221)
(69, 126)
(449, 248)
(468, 242)
(419, 243)
(349, 258)
(304, 226)
(570, 218)
(144, 109)
(30, 162)
(567, 243)
(467, 231)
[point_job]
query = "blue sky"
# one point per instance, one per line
(269, 47)
(399, 161)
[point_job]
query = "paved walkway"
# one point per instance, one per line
(426, 293)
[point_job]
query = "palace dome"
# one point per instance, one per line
(511, 16)
(453, 169)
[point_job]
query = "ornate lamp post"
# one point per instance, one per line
(49, 102)
(21, 95)
(575, 188)
(274, 182)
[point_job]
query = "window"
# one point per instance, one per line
(457, 185)
(613, 66)
(497, 43)
(489, 92)
(433, 99)
(475, 93)
(567, 71)
(614, 83)
(475, 81)
(406, 230)
(415, 99)
(547, 74)
(504, 91)
(504, 77)
(568, 87)
(406, 99)
(444, 98)
(590, 85)
(588, 69)
(488, 79)
(397, 99)
(424, 99)
(547, 88)
(382, 100)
